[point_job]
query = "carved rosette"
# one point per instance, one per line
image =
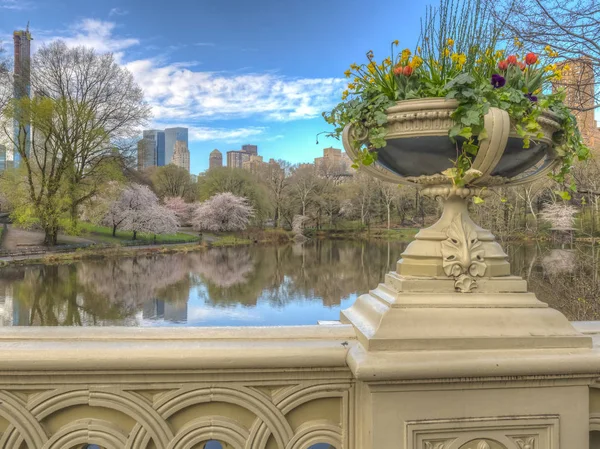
(463, 254)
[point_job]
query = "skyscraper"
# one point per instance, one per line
(22, 86)
(158, 137)
(215, 159)
(181, 155)
(173, 135)
(250, 149)
(146, 153)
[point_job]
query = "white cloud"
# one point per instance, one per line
(98, 34)
(177, 92)
(205, 133)
(181, 93)
(117, 12)
(204, 44)
(16, 5)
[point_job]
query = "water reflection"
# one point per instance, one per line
(222, 286)
(256, 285)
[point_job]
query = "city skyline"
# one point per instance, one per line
(223, 81)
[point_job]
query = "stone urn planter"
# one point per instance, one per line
(418, 147)
(418, 151)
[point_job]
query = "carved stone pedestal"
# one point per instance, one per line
(454, 353)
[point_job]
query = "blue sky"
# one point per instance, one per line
(233, 71)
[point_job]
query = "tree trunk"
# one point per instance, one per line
(50, 235)
(114, 234)
(134, 235)
(388, 216)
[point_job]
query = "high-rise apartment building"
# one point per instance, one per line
(236, 159)
(22, 86)
(250, 149)
(181, 155)
(173, 135)
(215, 159)
(146, 153)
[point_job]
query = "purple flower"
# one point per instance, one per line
(531, 97)
(498, 81)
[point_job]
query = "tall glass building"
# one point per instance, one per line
(158, 137)
(2, 158)
(171, 136)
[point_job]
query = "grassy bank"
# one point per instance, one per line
(103, 234)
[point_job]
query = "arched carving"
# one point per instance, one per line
(14, 410)
(315, 432)
(90, 431)
(214, 428)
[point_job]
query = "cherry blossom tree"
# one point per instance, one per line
(137, 210)
(559, 215)
(222, 212)
(180, 208)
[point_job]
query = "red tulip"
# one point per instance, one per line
(512, 60)
(531, 58)
(522, 66)
(398, 70)
(503, 65)
(407, 71)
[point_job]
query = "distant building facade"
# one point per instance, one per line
(250, 149)
(173, 135)
(334, 164)
(579, 84)
(2, 157)
(215, 159)
(22, 87)
(164, 143)
(236, 159)
(253, 164)
(181, 155)
(146, 154)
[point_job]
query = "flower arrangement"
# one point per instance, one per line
(470, 67)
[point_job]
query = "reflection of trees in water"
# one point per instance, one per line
(565, 279)
(112, 290)
(129, 282)
(330, 270)
(91, 292)
(53, 296)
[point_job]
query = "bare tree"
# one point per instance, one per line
(5, 80)
(223, 212)
(571, 29)
(277, 179)
(304, 185)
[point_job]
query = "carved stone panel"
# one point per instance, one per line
(502, 432)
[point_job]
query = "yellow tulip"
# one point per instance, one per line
(347, 73)
(344, 95)
(450, 42)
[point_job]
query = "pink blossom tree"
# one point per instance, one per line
(137, 210)
(180, 208)
(222, 212)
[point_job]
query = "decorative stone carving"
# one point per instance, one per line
(526, 442)
(437, 444)
(462, 254)
(482, 444)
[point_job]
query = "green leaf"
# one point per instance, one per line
(564, 195)
(466, 132)
(478, 200)
(482, 134)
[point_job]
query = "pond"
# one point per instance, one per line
(255, 286)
